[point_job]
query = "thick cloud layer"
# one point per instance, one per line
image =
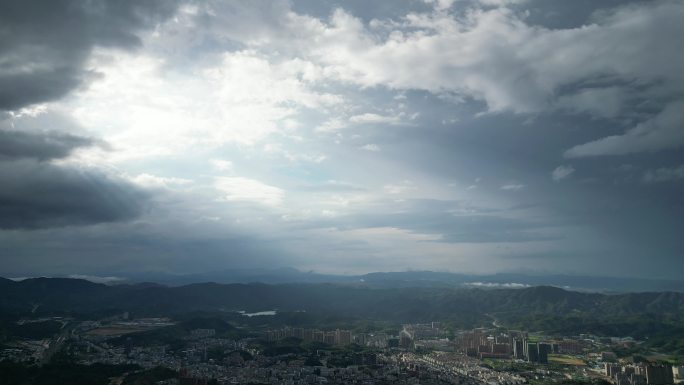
(471, 135)
(41, 146)
(44, 44)
(40, 195)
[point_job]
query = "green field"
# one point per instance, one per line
(565, 360)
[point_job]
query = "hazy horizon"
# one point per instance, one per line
(465, 136)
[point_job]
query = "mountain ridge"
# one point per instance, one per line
(79, 294)
(424, 278)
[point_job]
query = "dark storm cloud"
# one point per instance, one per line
(620, 210)
(41, 146)
(115, 249)
(44, 44)
(40, 195)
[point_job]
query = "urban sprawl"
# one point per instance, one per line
(417, 354)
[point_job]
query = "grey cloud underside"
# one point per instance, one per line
(452, 221)
(40, 85)
(455, 228)
(604, 196)
(137, 249)
(40, 195)
(41, 146)
(44, 44)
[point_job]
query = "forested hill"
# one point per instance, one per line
(61, 295)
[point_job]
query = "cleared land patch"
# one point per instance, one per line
(565, 360)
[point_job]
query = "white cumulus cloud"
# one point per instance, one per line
(513, 187)
(248, 190)
(562, 172)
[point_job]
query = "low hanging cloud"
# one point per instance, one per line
(109, 280)
(497, 285)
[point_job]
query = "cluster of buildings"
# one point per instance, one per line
(335, 337)
(29, 351)
(198, 334)
(432, 330)
(464, 370)
(295, 371)
(641, 374)
(426, 335)
(420, 353)
(339, 337)
(199, 343)
(512, 344)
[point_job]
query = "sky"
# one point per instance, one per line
(473, 136)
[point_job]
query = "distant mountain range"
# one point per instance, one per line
(656, 316)
(405, 279)
(54, 295)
